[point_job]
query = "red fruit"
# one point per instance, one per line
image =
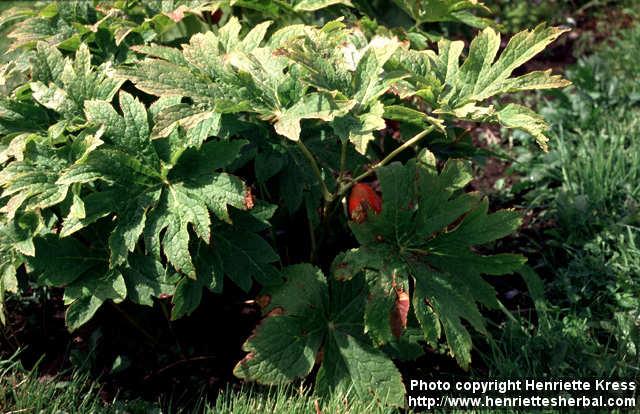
(361, 200)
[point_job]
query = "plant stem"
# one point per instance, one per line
(314, 165)
(312, 236)
(386, 159)
(343, 158)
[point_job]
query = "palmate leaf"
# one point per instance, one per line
(87, 279)
(237, 252)
(459, 90)
(158, 200)
(16, 242)
(352, 68)
(423, 11)
(106, 24)
(30, 183)
(156, 190)
(157, 11)
(53, 24)
(306, 316)
(426, 232)
(63, 85)
(21, 118)
(227, 73)
(279, 9)
(82, 271)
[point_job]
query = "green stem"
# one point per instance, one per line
(316, 170)
(386, 159)
(312, 238)
(343, 158)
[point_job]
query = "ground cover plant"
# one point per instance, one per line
(585, 195)
(302, 155)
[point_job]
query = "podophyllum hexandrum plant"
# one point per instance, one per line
(134, 135)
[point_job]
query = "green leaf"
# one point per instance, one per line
(358, 366)
(352, 68)
(424, 237)
(244, 256)
(146, 278)
(423, 11)
(160, 201)
(64, 85)
(311, 106)
(176, 210)
(359, 129)
(48, 64)
(379, 305)
(22, 117)
(31, 182)
(313, 5)
(58, 262)
(81, 310)
(482, 77)
(129, 228)
(200, 124)
(519, 117)
(239, 254)
(186, 299)
(301, 318)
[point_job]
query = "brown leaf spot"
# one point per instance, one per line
(399, 313)
(247, 358)
(320, 356)
(249, 201)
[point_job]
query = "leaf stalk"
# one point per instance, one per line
(326, 194)
(386, 160)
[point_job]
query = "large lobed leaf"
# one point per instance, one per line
(307, 316)
(227, 73)
(162, 191)
(63, 85)
(462, 90)
(425, 237)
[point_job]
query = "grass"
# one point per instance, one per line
(289, 401)
(588, 188)
(26, 391)
(23, 391)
